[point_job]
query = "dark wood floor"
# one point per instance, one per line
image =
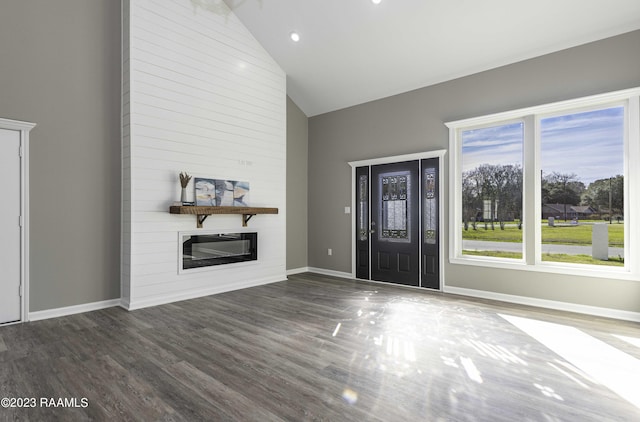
(311, 348)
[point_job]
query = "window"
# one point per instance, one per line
(492, 191)
(549, 188)
(582, 179)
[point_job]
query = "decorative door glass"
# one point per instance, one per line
(363, 207)
(430, 211)
(394, 208)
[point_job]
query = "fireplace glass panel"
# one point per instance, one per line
(218, 249)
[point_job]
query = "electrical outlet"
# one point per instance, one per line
(329, 252)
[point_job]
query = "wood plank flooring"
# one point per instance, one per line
(313, 348)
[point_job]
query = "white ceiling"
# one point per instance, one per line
(352, 51)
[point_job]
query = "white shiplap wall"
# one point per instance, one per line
(205, 98)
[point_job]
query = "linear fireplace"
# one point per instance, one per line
(206, 250)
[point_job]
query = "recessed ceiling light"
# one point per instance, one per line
(295, 37)
(376, 1)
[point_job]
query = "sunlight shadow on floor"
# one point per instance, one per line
(607, 365)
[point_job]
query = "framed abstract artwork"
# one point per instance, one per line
(221, 193)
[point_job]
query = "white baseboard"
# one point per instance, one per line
(125, 304)
(332, 273)
(176, 297)
(298, 270)
(71, 310)
(544, 303)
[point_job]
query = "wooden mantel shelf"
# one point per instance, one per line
(202, 212)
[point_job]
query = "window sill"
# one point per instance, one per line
(593, 271)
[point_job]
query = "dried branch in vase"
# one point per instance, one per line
(184, 179)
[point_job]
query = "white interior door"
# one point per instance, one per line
(10, 239)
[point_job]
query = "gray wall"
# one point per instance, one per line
(297, 181)
(414, 122)
(60, 68)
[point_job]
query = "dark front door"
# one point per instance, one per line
(395, 225)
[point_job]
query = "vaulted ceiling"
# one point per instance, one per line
(354, 51)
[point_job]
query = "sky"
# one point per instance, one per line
(589, 144)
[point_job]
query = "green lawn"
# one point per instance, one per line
(580, 234)
(509, 234)
(561, 234)
(497, 254)
(582, 259)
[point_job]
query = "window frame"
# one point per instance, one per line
(531, 163)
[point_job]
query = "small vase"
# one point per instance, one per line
(183, 195)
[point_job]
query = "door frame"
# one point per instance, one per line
(440, 153)
(24, 128)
